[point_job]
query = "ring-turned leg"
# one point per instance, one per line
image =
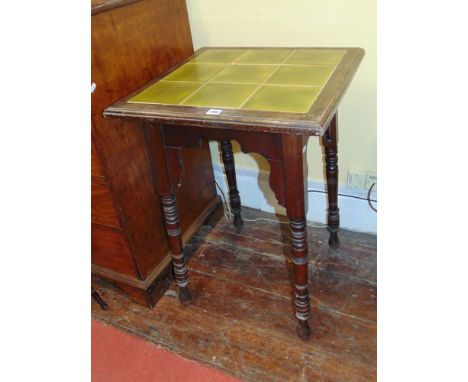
(294, 181)
(230, 169)
(331, 160)
(154, 135)
(171, 218)
(299, 258)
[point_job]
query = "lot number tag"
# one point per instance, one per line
(214, 112)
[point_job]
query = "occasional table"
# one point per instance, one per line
(269, 100)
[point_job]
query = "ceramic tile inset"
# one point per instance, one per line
(218, 55)
(293, 99)
(269, 79)
(195, 72)
(316, 56)
(250, 74)
(264, 56)
(221, 95)
(302, 75)
(166, 92)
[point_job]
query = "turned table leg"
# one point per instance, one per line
(163, 184)
(230, 169)
(331, 160)
(294, 181)
(171, 219)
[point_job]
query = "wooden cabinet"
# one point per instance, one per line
(133, 42)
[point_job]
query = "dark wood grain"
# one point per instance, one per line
(132, 42)
(240, 319)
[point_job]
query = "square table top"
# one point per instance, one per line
(293, 90)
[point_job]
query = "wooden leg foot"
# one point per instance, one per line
(334, 241)
(184, 295)
(238, 222)
(303, 330)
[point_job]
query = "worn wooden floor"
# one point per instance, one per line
(241, 319)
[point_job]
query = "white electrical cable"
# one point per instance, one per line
(228, 214)
(283, 222)
(226, 206)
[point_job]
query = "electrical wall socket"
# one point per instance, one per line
(370, 180)
(357, 178)
(362, 179)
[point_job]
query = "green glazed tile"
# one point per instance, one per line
(292, 99)
(221, 95)
(302, 75)
(195, 72)
(218, 55)
(166, 92)
(248, 74)
(316, 56)
(264, 56)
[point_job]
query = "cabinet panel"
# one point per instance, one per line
(96, 168)
(109, 249)
(102, 207)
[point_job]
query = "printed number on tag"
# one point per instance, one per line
(214, 112)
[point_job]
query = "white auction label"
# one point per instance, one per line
(214, 112)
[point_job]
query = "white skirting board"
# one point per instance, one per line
(255, 192)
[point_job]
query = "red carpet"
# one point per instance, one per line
(120, 357)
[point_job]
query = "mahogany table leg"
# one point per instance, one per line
(294, 181)
(331, 159)
(171, 219)
(162, 180)
(230, 169)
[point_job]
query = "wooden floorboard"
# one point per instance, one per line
(241, 319)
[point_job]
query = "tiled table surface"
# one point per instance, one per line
(281, 80)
